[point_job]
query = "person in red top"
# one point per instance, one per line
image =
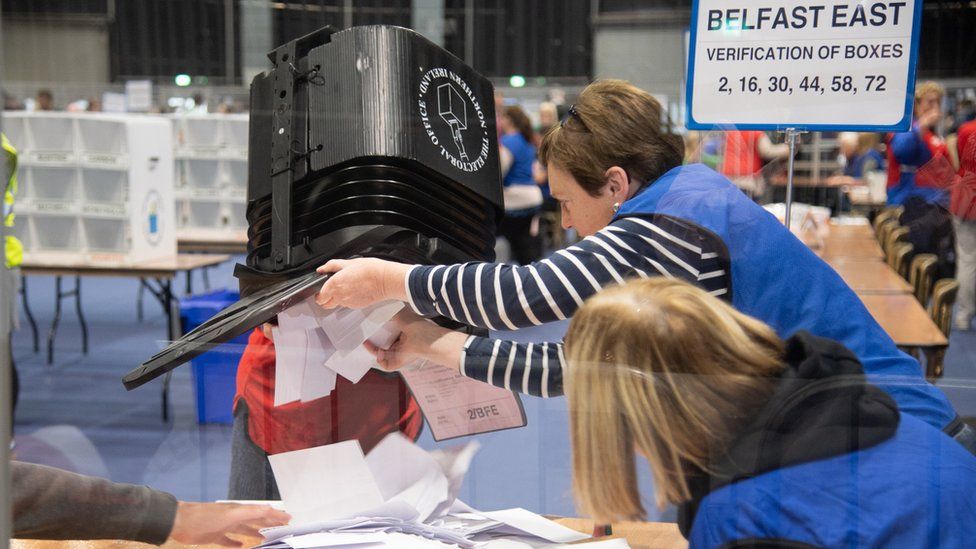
(911, 152)
(745, 154)
(366, 411)
(963, 207)
(919, 176)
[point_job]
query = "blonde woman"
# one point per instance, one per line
(753, 437)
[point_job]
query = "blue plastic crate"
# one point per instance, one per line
(214, 372)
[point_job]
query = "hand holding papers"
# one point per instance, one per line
(397, 496)
(314, 346)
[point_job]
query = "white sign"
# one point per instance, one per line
(138, 94)
(809, 65)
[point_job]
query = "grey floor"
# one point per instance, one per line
(76, 414)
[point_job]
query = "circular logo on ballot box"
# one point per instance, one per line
(453, 119)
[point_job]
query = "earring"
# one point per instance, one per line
(616, 207)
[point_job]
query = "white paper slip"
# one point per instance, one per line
(405, 472)
(454, 462)
(291, 344)
(349, 328)
(304, 314)
(319, 380)
(352, 365)
(456, 406)
(519, 520)
(325, 482)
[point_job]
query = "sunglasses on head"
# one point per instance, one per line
(572, 113)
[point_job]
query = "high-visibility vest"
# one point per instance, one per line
(14, 250)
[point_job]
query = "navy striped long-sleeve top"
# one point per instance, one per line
(507, 297)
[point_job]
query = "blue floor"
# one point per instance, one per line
(76, 414)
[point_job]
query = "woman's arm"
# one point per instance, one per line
(531, 368)
(498, 296)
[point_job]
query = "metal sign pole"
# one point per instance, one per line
(791, 140)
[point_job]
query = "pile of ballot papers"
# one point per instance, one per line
(313, 346)
(397, 496)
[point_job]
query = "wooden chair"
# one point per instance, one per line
(884, 229)
(886, 215)
(896, 236)
(901, 256)
(921, 272)
(943, 298)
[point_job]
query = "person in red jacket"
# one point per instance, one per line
(746, 152)
(963, 207)
(366, 411)
(919, 176)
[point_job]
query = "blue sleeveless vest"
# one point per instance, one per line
(851, 500)
(780, 281)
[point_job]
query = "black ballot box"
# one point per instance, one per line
(371, 141)
(393, 131)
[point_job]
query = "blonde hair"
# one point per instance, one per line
(867, 141)
(927, 87)
(660, 367)
(613, 123)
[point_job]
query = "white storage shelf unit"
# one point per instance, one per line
(211, 175)
(94, 187)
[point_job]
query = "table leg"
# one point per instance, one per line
(164, 294)
(206, 278)
(189, 282)
(173, 330)
(81, 317)
(934, 360)
(54, 323)
(142, 290)
(28, 313)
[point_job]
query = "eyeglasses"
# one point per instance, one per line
(572, 113)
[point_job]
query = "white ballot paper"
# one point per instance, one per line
(457, 406)
(290, 346)
(313, 345)
(325, 482)
(397, 496)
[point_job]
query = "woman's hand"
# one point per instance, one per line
(359, 283)
(930, 118)
(420, 339)
(211, 523)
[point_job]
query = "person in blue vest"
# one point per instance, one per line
(618, 176)
(760, 442)
(523, 195)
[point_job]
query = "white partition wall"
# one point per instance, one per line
(94, 187)
(211, 175)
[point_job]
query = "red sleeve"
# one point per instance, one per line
(366, 411)
(966, 146)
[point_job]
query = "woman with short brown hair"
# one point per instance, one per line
(616, 171)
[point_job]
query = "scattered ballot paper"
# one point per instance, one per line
(313, 346)
(397, 496)
(325, 482)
